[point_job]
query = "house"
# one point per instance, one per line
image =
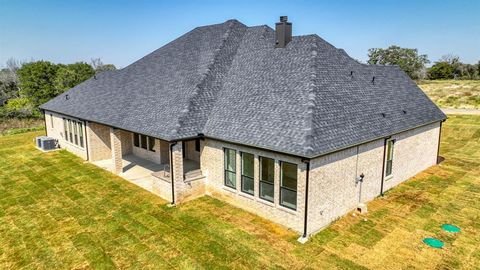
(288, 127)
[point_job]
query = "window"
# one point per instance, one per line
(288, 185)
(65, 129)
(389, 167)
(247, 173)
(267, 172)
(70, 130)
(143, 141)
(51, 120)
(151, 144)
(75, 132)
(197, 145)
(230, 168)
(80, 133)
(136, 139)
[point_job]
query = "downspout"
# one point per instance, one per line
(307, 161)
(383, 164)
(171, 171)
(439, 137)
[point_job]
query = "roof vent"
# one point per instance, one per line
(373, 80)
(283, 32)
(383, 115)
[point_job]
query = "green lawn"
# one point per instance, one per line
(57, 212)
(462, 94)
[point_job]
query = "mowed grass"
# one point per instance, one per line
(58, 212)
(462, 94)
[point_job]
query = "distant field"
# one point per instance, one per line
(15, 125)
(462, 94)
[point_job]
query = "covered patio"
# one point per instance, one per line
(134, 169)
(142, 160)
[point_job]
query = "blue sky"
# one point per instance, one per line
(121, 32)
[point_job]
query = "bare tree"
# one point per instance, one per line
(451, 59)
(100, 67)
(13, 65)
(9, 86)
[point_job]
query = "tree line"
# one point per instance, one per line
(25, 86)
(414, 64)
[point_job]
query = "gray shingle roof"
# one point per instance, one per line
(228, 82)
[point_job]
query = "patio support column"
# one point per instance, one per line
(177, 169)
(116, 147)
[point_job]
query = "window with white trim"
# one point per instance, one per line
(151, 144)
(136, 140)
(73, 130)
(230, 167)
(70, 131)
(143, 141)
(80, 133)
(267, 174)
(288, 185)
(65, 129)
(247, 173)
(389, 158)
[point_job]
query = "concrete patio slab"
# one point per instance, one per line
(135, 169)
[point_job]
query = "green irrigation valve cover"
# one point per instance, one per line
(450, 228)
(433, 242)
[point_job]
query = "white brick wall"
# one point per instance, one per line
(98, 137)
(414, 151)
(145, 153)
(333, 191)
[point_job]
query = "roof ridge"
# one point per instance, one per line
(210, 69)
(312, 96)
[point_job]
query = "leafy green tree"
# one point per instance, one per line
(441, 70)
(70, 75)
(37, 81)
(407, 59)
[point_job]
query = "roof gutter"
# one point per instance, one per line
(254, 146)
